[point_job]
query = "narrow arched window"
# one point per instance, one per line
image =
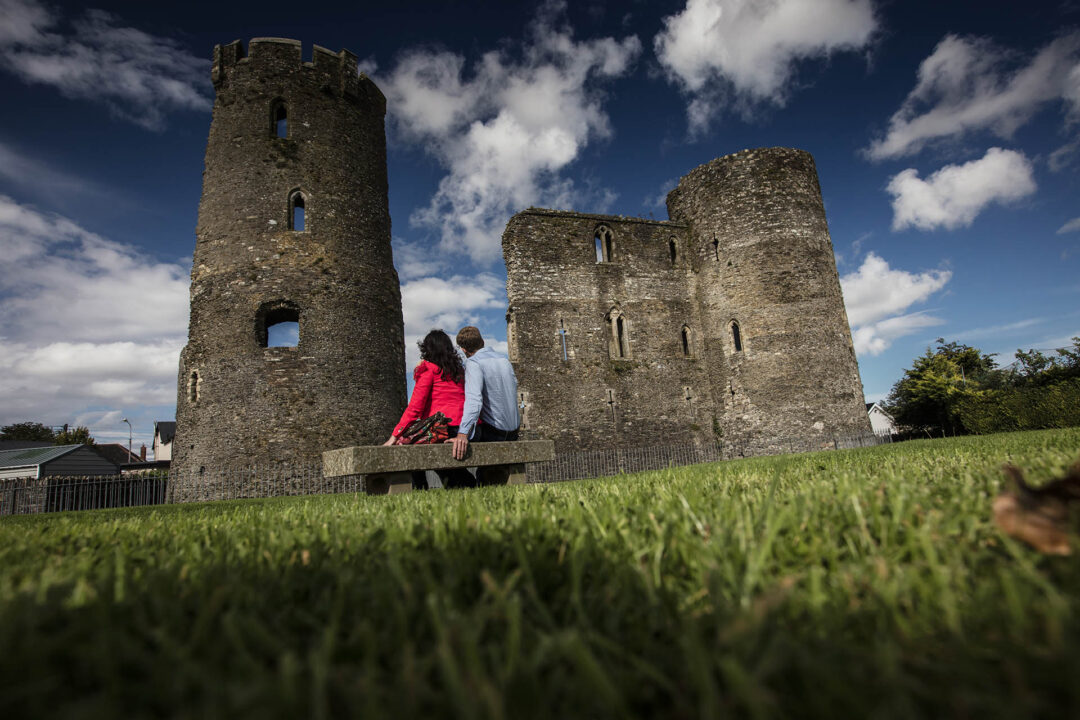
(296, 211)
(687, 347)
(618, 334)
(279, 119)
(673, 250)
(511, 334)
(736, 336)
(716, 249)
(193, 387)
(605, 244)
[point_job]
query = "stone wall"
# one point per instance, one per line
(595, 395)
(238, 401)
(747, 247)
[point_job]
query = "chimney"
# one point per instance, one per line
(142, 453)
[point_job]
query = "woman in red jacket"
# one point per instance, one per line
(440, 387)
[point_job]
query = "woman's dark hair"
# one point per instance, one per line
(437, 348)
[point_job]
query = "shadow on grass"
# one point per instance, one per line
(489, 625)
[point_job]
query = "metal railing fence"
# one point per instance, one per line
(60, 493)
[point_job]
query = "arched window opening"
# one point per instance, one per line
(279, 119)
(562, 338)
(736, 336)
(296, 211)
(283, 334)
(277, 324)
(673, 250)
(619, 334)
(687, 347)
(193, 387)
(605, 244)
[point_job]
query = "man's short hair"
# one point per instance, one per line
(469, 339)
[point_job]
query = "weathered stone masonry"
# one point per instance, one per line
(238, 401)
(725, 322)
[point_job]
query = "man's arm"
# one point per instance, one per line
(474, 401)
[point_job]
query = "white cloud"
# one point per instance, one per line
(747, 50)
(659, 200)
(140, 76)
(85, 322)
(368, 66)
(414, 260)
(970, 84)
(996, 330)
(41, 179)
(447, 304)
(877, 298)
(1071, 226)
(505, 128)
(954, 195)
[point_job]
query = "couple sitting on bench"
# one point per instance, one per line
(477, 399)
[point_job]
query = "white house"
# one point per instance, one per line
(164, 430)
(881, 422)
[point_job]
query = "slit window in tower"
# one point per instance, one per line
(736, 336)
(673, 251)
(605, 244)
(511, 335)
(296, 211)
(280, 120)
(716, 249)
(685, 341)
(193, 387)
(620, 337)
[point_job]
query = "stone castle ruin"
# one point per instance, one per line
(726, 322)
(294, 227)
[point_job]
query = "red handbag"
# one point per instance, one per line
(426, 431)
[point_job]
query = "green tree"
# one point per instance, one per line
(27, 431)
(928, 397)
(1036, 368)
(75, 436)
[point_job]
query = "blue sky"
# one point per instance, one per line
(946, 134)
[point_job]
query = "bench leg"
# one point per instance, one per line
(517, 474)
(502, 474)
(388, 483)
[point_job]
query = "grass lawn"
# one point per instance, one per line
(854, 583)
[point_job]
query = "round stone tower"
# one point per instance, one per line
(293, 237)
(775, 328)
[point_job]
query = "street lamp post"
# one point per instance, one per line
(129, 436)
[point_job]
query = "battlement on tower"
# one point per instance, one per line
(268, 57)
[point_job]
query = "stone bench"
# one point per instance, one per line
(388, 468)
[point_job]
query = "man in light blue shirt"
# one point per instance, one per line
(490, 394)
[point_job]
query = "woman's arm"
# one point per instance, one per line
(421, 397)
